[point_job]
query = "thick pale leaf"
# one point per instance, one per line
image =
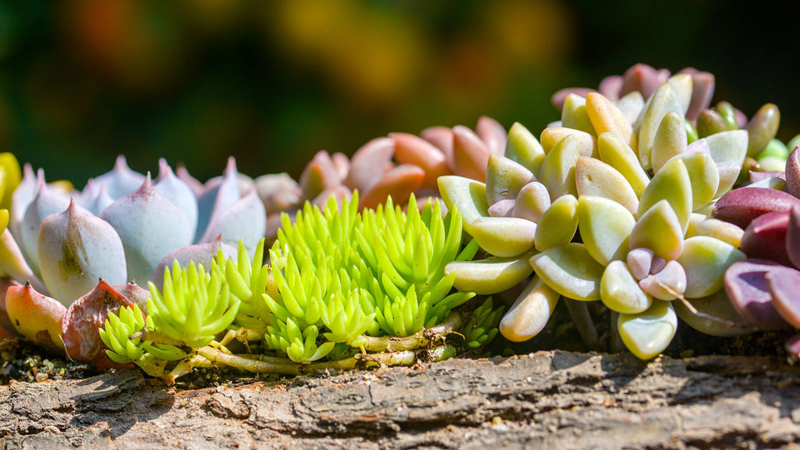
(705, 260)
(671, 183)
(77, 249)
(585, 142)
(505, 178)
(659, 230)
(616, 153)
(596, 178)
(523, 147)
(466, 195)
(648, 333)
(532, 202)
(570, 270)
(150, 226)
(667, 283)
(606, 117)
(121, 180)
(620, 292)
(530, 312)
(558, 169)
(245, 220)
(175, 191)
(573, 114)
(724, 320)
(605, 227)
(703, 175)
(670, 140)
(504, 236)
(663, 101)
(489, 276)
(558, 224)
(728, 150)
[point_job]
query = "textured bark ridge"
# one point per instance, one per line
(544, 400)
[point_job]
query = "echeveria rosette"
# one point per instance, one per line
(153, 220)
(624, 186)
(69, 248)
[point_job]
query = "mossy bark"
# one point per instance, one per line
(543, 400)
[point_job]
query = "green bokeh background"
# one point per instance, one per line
(272, 83)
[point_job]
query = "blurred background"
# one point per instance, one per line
(272, 83)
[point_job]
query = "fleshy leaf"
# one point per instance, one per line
(150, 226)
(620, 292)
(176, 191)
(605, 226)
(84, 318)
(616, 153)
(663, 101)
(522, 147)
(570, 270)
(585, 143)
(670, 140)
(659, 230)
(705, 260)
(35, 316)
(504, 236)
(717, 305)
(410, 149)
(531, 202)
(648, 333)
(530, 312)
(671, 183)
(505, 178)
(76, 249)
(746, 286)
(558, 224)
(489, 276)
(558, 169)
(466, 195)
(606, 117)
(596, 178)
(121, 180)
(367, 165)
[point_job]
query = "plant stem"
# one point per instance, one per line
(615, 343)
(417, 340)
(583, 322)
(286, 367)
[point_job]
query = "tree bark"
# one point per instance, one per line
(543, 400)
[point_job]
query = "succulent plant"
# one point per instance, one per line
(605, 208)
(122, 227)
(763, 288)
(339, 281)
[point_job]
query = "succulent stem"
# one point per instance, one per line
(282, 366)
(583, 322)
(615, 344)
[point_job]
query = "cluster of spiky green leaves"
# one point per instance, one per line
(338, 277)
(380, 272)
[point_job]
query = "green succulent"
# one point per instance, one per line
(248, 280)
(116, 335)
(193, 306)
(351, 274)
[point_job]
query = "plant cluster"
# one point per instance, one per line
(342, 287)
(614, 203)
(626, 200)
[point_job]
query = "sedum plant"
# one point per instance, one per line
(342, 287)
(612, 204)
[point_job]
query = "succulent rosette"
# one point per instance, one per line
(612, 203)
(123, 227)
(763, 288)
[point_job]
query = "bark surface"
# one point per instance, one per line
(544, 400)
